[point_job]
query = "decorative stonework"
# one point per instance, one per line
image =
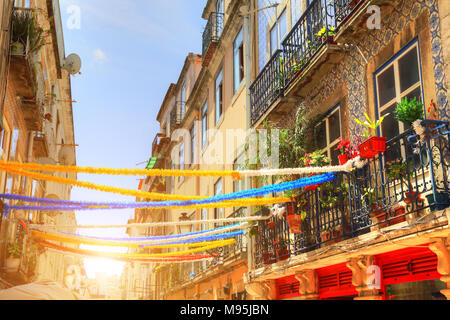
(308, 288)
(260, 290)
(360, 275)
(441, 247)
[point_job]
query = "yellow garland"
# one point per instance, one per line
(145, 194)
(216, 244)
(146, 172)
(113, 243)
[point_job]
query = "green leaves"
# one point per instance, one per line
(409, 111)
(370, 124)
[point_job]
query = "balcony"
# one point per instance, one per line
(398, 187)
(158, 142)
(177, 115)
(211, 36)
(308, 52)
(40, 146)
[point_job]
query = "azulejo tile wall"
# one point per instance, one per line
(404, 12)
(352, 69)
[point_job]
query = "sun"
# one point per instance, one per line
(109, 267)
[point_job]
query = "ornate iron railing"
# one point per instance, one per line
(267, 87)
(177, 115)
(213, 30)
(408, 180)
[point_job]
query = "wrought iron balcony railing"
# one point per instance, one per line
(409, 180)
(211, 35)
(176, 115)
(315, 28)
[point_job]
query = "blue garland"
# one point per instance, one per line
(65, 205)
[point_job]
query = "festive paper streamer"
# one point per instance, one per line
(204, 241)
(216, 244)
(171, 204)
(134, 172)
(129, 192)
(89, 253)
(181, 237)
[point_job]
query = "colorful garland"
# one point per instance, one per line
(133, 172)
(77, 239)
(217, 201)
(128, 192)
(180, 258)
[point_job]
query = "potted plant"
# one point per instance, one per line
(282, 251)
(372, 145)
(409, 111)
(344, 148)
(314, 159)
(26, 36)
(402, 172)
(326, 34)
(442, 200)
(13, 260)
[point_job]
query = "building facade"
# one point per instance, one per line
(377, 232)
(37, 127)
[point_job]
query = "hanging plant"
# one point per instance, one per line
(26, 32)
(409, 111)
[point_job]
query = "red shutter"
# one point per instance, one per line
(407, 265)
(335, 281)
(287, 287)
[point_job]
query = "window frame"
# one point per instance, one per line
(219, 96)
(204, 125)
(193, 142)
(238, 54)
(330, 144)
(394, 61)
(279, 37)
(181, 155)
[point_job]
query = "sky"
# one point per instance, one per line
(131, 50)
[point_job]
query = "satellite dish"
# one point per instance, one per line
(72, 64)
(66, 156)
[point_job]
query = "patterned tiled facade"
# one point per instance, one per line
(352, 69)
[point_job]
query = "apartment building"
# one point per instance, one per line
(386, 236)
(37, 127)
(377, 232)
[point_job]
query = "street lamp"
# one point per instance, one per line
(184, 228)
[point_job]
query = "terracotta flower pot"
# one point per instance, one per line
(295, 223)
(314, 186)
(271, 224)
(380, 215)
(372, 146)
(268, 258)
(283, 254)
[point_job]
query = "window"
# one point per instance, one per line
(278, 32)
(397, 79)
(239, 164)
(296, 10)
(219, 6)
(218, 212)
(219, 96)
(181, 159)
(204, 218)
(238, 61)
(15, 139)
(193, 139)
(204, 124)
(182, 100)
(328, 134)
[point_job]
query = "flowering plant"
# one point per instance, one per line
(315, 159)
(344, 147)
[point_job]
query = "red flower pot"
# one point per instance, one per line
(269, 258)
(412, 196)
(314, 186)
(290, 208)
(343, 158)
(295, 223)
(372, 146)
(283, 254)
(271, 224)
